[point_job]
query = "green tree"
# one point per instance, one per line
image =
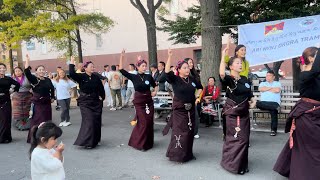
(149, 18)
(9, 22)
(56, 21)
(237, 12)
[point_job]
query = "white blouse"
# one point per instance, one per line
(46, 167)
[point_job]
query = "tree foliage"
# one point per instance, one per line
(236, 12)
(148, 13)
(184, 30)
(56, 21)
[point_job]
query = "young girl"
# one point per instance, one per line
(63, 86)
(46, 162)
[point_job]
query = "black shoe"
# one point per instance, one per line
(58, 108)
(273, 133)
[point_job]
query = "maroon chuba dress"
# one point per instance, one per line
(300, 157)
(182, 120)
(142, 136)
(237, 132)
(42, 93)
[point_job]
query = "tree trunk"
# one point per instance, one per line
(70, 48)
(78, 36)
(79, 45)
(19, 56)
(211, 40)
(152, 42)
(295, 74)
(276, 67)
(11, 59)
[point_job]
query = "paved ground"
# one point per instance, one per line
(114, 159)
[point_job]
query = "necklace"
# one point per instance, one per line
(142, 78)
(235, 84)
(187, 82)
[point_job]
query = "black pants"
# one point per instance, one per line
(273, 108)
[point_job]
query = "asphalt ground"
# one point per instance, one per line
(114, 159)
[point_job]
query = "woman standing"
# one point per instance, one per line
(236, 112)
(21, 101)
(194, 74)
(142, 134)
(7, 85)
(90, 102)
(239, 52)
(183, 116)
(43, 95)
(63, 87)
(300, 157)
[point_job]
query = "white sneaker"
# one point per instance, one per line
(119, 108)
(113, 109)
(67, 124)
(62, 123)
(197, 136)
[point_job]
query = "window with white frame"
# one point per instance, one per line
(99, 41)
(174, 7)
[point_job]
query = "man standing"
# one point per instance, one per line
(115, 83)
(105, 74)
(154, 71)
(130, 87)
(270, 99)
(161, 79)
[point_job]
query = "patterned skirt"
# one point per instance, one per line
(21, 102)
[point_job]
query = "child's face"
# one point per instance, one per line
(51, 143)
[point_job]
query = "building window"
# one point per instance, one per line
(30, 45)
(98, 41)
(174, 7)
(44, 47)
(198, 56)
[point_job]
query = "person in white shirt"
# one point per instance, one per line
(105, 74)
(270, 99)
(115, 82)
(46, 160)
(130, 87)
(63, 86)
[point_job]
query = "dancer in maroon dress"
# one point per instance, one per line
(182, 120)
(142, 134)
(43, 96)
(300, 157)
(236, 112)
(6, 84)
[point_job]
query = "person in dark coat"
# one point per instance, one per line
(236, 112)
(300, 157)
(42, 96)
(161, 78)
(7, 86)
(142, 136)
(90, 102)
(182, 120)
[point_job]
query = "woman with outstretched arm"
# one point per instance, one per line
(182, 120)
(142, 136)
